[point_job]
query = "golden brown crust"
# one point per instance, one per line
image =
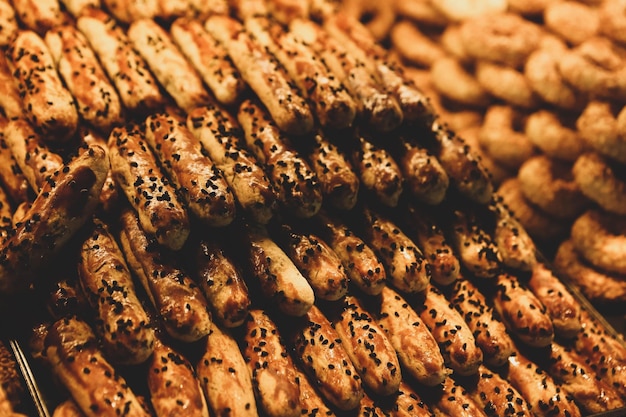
(329, 99)
(264, 75)
(522, 312)
(271, 367)
(455, 338)
(135, 169)
(317, 262)
(517, 249)
(298, 188)
(361, 263)
(225, 377)
(415, 345)
(375, 106)
(71, 352)
(198, 180)
(34, 158)
(495, 395)
(223, 140)
(490, 333)
(562, 306)
(322, 355)
(124, 326)
(12, 178)
(339, 181)
(463, 167)
(8, 23)
(311, 402)
(182, 308)
(169, 66)
(173, 386)
(46, 101)
(65, 202)
(539, 389)
(372, 354)
(451, 399)
(406, 402)
(378, 172)
(407, 268)
(445, 266)
(222, 283)
(209, 58)
(128, 71)
(424, 177)
(95, 97)
(40, 15)
(278, 277)
(10, 100)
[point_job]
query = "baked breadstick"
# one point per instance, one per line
(71, 350)
(168, 64)
(172, 383)
(77, 7)
(128, 71)
(46, 102)
(406, 402)
(222, 283)
(368, 347)
(359, 40)
(463, 167)
(271, 367)
(490, 333)
(317, 262)
(407, 268)
(311, 402)
(40, 15)
(375, 106)
(362, 265)
(279, 279)
(339, 181)
(8, 23)
(474, 246)
(323, 357)
(378, 171)
(96, 99)
(451, 399)
(445, 266)
(182, 308)
(222, 139)
(330, 101)
(543, 394)
(424, 176)
(264, 75)
(34, 158)
(198, 180)
(125, 330)
(10, 100)
(225, 377)
(210, 59)
(561, 305)
(135, 169)
(522, 312)
(455, 338)
(63, 205)
(415, 345)
(11, 175)
(130, 10)
(297, 186)
(515, 245)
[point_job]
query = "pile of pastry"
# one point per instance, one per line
(251, 208)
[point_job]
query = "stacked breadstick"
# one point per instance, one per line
(249, 208)
(541, 99)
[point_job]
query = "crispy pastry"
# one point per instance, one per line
(225, 377)
(209, 58)
(124, 326)
(46, 102)
(265, 76)
(64, 204)
(271, 367)
(198, 180)
(150, 193)
(182, 308)
(297, 186)
(322, 355)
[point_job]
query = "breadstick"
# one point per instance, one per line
(8, 23)
(11, 176)
(424, 176)
(39, 15)
(264, 75)
(198, 180)
(10, 100)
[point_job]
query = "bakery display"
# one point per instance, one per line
(260, 207)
